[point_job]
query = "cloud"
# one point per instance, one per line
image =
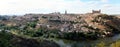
(27, 6)
(47, 6)
(101, 0)
(104, 0)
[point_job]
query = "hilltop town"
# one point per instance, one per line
(89, 22)
(92, 25)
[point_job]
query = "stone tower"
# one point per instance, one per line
(65, 12)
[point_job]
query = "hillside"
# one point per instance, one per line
(96, 24)
(90, 26)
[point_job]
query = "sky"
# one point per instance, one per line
(21, 7)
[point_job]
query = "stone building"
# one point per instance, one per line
(96, 11)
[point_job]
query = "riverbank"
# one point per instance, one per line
(101, 42)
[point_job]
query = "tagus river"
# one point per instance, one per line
(88, 43)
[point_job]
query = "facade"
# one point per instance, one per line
(96, 11)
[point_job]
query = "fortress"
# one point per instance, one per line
(96, 11)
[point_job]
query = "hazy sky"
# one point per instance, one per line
(18, 7)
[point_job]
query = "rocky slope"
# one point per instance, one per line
(98, 25)
(106, 24)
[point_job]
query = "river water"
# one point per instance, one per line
(88, 43)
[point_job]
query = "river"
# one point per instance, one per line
(88, 43)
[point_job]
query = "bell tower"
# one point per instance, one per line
(65, 12)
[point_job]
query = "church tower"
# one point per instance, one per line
(65, 12)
